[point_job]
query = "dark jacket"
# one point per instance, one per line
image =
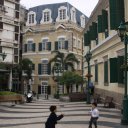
(52, 120)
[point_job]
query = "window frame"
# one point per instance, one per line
(31, 20)
(82, 18)
(30, 45)
(62, 14)
(61, 43)
(73, 14)
(45, 44)
(44, 67)
(46, 16)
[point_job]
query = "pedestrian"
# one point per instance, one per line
(94, 115)
(53, 118)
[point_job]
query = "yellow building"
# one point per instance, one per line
(107, 50)
(48, 28)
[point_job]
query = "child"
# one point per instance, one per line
(52, 119)
(94, 115)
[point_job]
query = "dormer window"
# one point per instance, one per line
(82, 18)
(31, 18)
(62, 14)
(73, 14)
(46, 16)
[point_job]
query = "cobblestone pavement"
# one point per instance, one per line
(34, 115)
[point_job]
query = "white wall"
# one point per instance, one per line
(9, 8)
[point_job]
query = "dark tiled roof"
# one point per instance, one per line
(54, 9)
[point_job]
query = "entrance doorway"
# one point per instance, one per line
(44, 88)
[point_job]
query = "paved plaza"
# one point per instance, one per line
(34, 115)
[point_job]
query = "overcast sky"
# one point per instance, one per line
(85, 6)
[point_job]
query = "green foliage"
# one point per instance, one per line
(7, 93)
(26, 65)
(64, 61)
(70, 78)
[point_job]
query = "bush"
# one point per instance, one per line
(7, 93)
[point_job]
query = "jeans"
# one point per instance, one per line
(93, 120)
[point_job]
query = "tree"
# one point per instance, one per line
(26, 66)
(69, 79)
(78, 80)
(65, 61)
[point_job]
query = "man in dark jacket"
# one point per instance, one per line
(53, 118)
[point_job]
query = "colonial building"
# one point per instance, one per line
(9, 41)
(52, 27)
(102, 39)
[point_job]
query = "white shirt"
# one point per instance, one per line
(94, 112)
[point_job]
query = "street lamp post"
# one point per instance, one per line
(3, 55)
(58, 69)
(88, 57)
(122, 31)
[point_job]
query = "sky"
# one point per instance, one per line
(85, 6)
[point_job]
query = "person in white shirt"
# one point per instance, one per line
(94, 115)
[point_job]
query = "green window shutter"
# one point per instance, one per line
(106, 72)
(49, 90)
(100, 29)
(39, 69)
(56, 45)
(66, 67)
(25, 47)
(112, 7)
(39, 89)
(49, 68)
(85, 39)
(66, 44)
(104, 20)
(120, 62)
(96, 73)
(120, 12)
(116, 13)
(33, 66)
(33, 47)
(40, 46)
(49, 46)
(88, 37)
(90, 34)
(93, 31)
(113, 70)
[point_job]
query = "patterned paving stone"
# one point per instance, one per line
(34, 115)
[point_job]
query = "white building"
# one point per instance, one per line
(9, 40)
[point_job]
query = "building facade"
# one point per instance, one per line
(102, 39)
(9, 42)
(48, 28)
